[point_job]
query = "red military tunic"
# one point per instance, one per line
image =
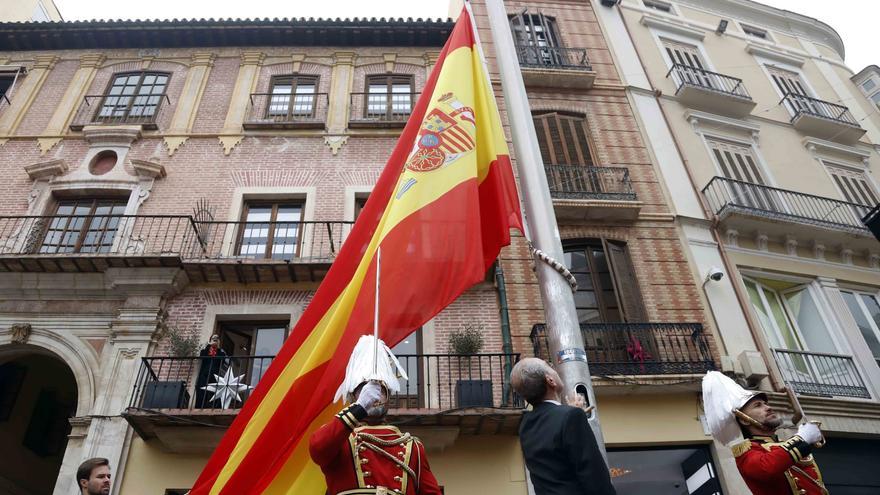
(360, 459)
(773, 468)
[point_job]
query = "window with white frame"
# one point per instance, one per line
(853, 185)
(790, 316)
(808, 356)
(755, 32)
(688, 64)
(869, 85)
(865, 309)
(739, 163)
(658, 5)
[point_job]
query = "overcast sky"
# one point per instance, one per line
(853, 19)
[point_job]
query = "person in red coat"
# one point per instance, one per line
(771, 467)
(767, 465)
(361, 455)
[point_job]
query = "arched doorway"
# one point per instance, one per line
(38, 395)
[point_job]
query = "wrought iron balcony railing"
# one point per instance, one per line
(638, 348)
(300, 240)
(182, 236)
(107, 109)
(582, 182)
(685, 75)
(814, 373)
(727, 195)
(436, 382)
(286, 110)
(380, 108)
(133, 235)
(553, 57)
(804, 105)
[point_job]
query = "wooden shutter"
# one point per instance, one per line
(563, 139)
(854, 186)
(626, 282)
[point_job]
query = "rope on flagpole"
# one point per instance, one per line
(556, 265)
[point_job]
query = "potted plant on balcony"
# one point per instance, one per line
(471, 389)
(161, 391)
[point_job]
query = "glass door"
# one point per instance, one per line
(252, 347)
(866, 311)
(408, 351)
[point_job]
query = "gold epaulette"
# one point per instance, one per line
(741, 448)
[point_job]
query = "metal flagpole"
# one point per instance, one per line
(563, 330)
(376, 314)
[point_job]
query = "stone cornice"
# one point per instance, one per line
(697, 119)
(344, 58)
(91, 60)
(203, 59)
(46, 170)
(673, 26)
(776, 19)
(117, 134)
(775, 54)
(147, 169)
(45, 61)
(252, 58)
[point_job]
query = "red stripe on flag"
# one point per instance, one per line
(404, 304)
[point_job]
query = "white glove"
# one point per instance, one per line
(370, 394)
(810, 433)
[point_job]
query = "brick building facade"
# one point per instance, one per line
(148, 170)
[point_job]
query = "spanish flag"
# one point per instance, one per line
(441, 211)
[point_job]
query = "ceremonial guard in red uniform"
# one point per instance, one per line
(768, 466)
(357, 452)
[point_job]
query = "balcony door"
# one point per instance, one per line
(865, 309)
(536, 39)
(133, 97)
(252, 346)
(389, 97)
(565, 147)
(271, 230)
(409, 351)
(738, 162)
(293, 97)
(691, 68)
(795, 326)
(790, 83)
(85, 225)
(608, 292)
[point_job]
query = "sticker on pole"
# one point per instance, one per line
(572, 354)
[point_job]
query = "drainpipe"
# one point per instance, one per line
(744, 304)
(506, 341)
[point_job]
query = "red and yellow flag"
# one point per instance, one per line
(441, 211)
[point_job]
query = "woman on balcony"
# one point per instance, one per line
(212, 359)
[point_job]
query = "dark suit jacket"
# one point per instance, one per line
(561, 452)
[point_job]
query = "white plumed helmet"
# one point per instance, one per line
(721, 396)
(360, 368)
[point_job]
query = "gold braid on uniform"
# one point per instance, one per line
(375, 443)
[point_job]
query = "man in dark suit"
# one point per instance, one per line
(558, 445)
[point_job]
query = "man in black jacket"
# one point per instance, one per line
(558, 445)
